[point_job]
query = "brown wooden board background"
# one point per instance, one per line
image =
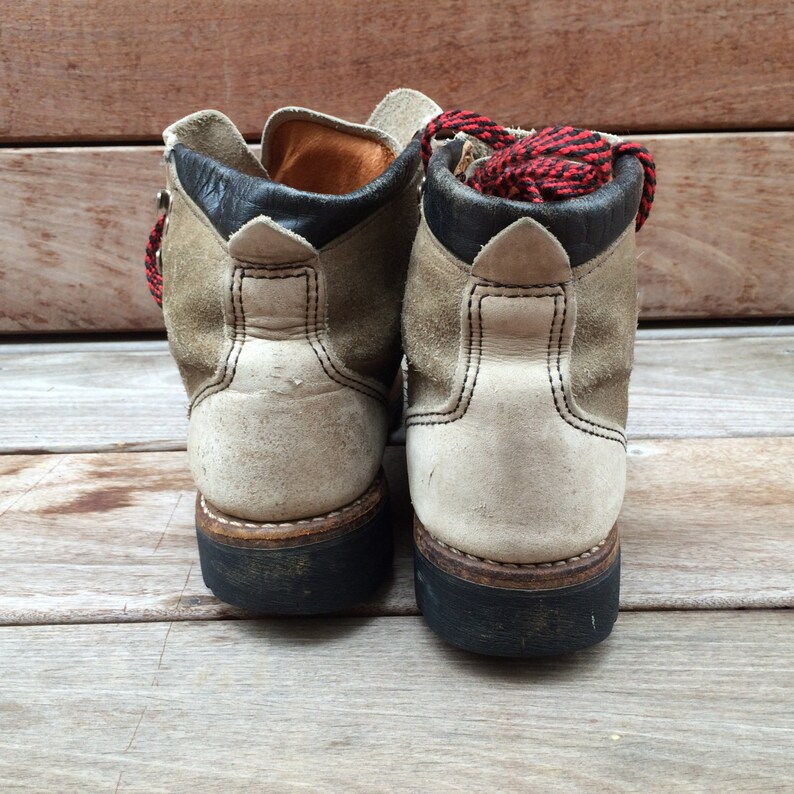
(114, 70)
(74, 222)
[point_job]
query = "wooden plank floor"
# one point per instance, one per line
(121, 672)
(94, 395)
(706, 523)
(672, 702)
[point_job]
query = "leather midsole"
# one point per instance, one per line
(590, 564)
(232, 531)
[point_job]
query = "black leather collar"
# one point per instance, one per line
(230, 198)
(464, 220)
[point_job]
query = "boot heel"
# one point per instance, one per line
(526, 611)
(312, 566)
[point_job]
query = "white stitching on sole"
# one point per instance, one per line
(583, 555)
(301, 522)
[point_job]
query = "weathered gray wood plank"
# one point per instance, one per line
(89, 396)
(720, 386)
(93, 395)
(105, 537)
(671, 702)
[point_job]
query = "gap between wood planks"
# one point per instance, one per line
(706, 252)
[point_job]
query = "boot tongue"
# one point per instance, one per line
(402, 113)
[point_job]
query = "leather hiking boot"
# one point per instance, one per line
(518, 325)
(281, 281)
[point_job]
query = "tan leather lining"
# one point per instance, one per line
(320, 159)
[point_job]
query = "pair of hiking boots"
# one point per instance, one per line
(503, 264)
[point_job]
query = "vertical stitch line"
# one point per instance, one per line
(566, 417)
(469, 346)
(221, 377)
(548, 354)
(565, 396)
(362, 388)
(237, 336)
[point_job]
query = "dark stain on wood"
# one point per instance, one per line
(101, 501)
(145, 480)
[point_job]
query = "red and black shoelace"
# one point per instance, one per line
(153, 274)
(552, 164)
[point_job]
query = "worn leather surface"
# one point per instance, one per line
(230, 198)
(606, 320)
(507, 466)
(464, 220)
(282, 308)
(284, 431)
(195, 261)
(431, 317)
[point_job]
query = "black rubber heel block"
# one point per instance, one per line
(500, 621)
(324, 577)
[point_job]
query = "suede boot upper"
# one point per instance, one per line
(282, 283)
(518, 327)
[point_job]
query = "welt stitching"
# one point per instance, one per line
(567, 418)
(372, 395)
(556, 563)
(300, 522)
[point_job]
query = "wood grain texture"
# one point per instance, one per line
(104, 537)
(93, 395)
(87, 70)
(719, 239)
(671, 702)
(90, 396)
(74, 223)
(73, 231)
(714, 386)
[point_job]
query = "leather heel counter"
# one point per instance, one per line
(510, 468)
(283, 431)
